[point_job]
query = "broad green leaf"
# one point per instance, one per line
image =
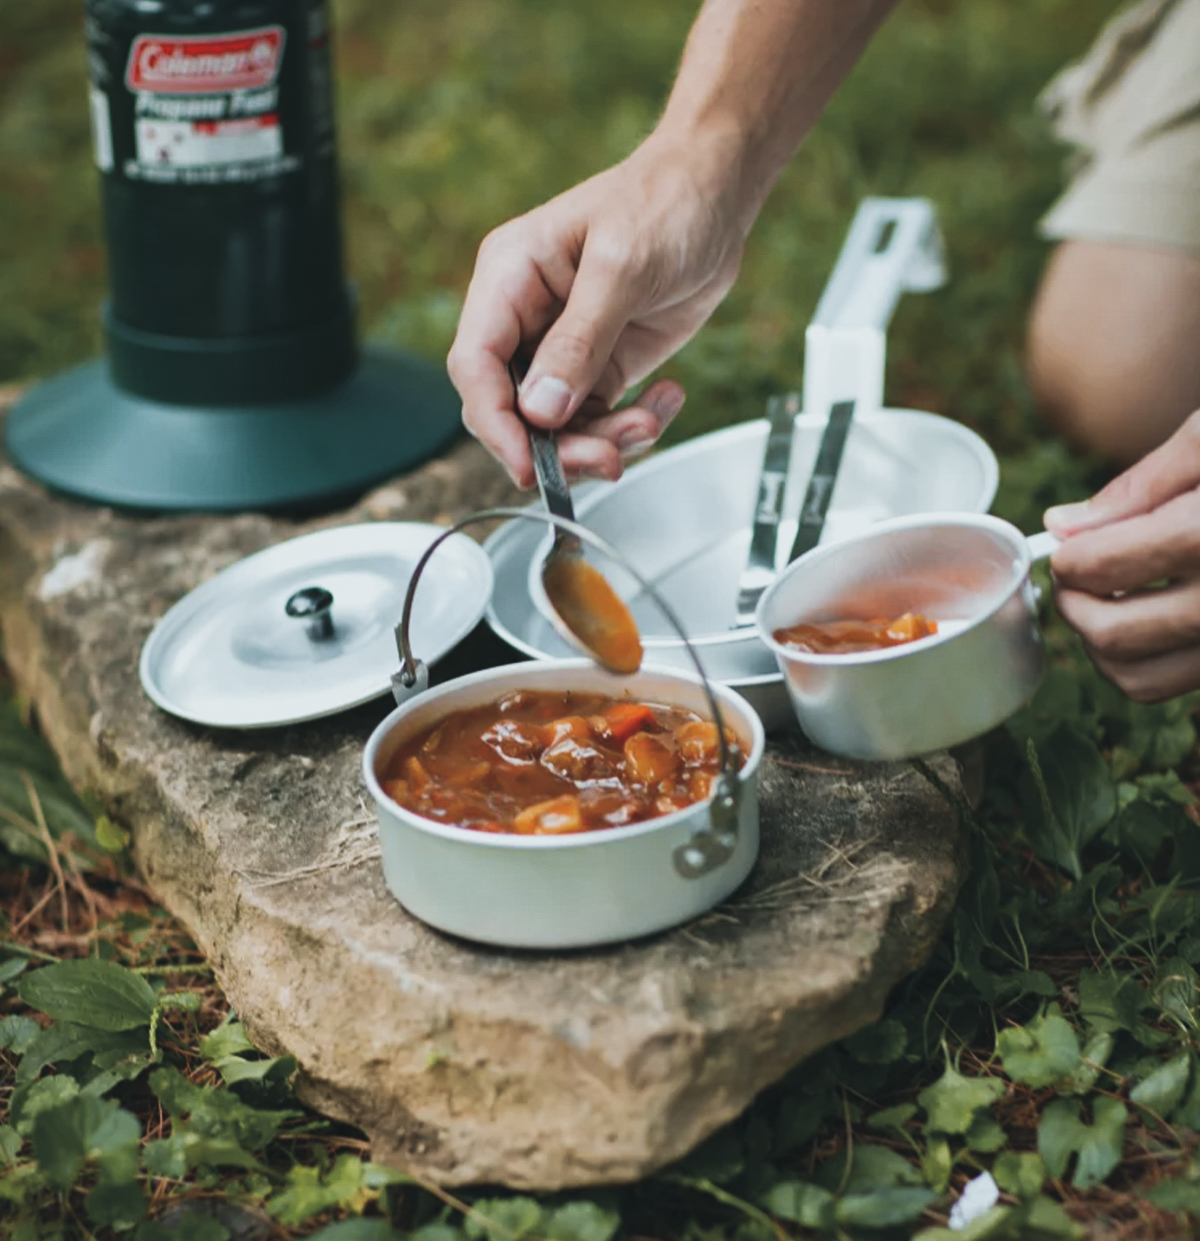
(1188, 1111)
(1058, 1134)
(503, 1219)
(90, 992)
(1020, 983)
(993, 1225)
(16, 1033)
(1043, 1219)
(166, 1157)
(82, 1128)
(1098, 1146)
(10, 1143)
(1176, 991)
(439, 1230)
(883, 1043)
(357, 1230)
(1111, 1002)
(581, 1220)
(1141, 827)
(953, 1101)
(65, 1041)
(1020, 1173)
(186, 1226)
(12, 968)
(228, 1039)
(277, 1069)
(985, 1135)
(28, 1101)
(883, 1208)
(801, 1202)
(1161, 735)
(892, 1117)
(215, 1115)
(1161, 1092)
(871, 1167)
(1176, 1195)
(1040, 1053)
(936, 1164)
(1166, 786)
(1069, 796)
(117, 1204)
(308, 1193)
(1095, 1056)
(110, 837)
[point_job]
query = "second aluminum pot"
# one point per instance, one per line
(968, 572)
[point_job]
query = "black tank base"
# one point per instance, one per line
(81, 435)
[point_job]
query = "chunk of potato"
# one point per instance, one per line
(649, 760)
(557, 817)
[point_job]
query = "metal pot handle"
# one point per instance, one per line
(707, 849)
(1042, 546)
(894, 246)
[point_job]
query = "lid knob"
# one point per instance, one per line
(312, 605)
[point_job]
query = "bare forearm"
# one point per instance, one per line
(756, 75)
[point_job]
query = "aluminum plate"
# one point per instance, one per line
(683, 518)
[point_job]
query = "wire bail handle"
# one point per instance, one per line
(707, 849)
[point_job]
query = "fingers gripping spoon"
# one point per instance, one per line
(591, 614)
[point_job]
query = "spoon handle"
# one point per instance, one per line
(552, 483)
(543, 447)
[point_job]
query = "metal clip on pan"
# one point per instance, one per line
(893, 246)
(706, 850)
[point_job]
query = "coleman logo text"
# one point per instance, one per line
(205, 64)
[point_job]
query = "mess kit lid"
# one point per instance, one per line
(260, 644)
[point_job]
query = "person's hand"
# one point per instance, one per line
(607, 280)
(1127, 576)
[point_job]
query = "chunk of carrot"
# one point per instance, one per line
(623, 719)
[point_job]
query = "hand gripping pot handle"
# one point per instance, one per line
(707, 849)
(894, 245)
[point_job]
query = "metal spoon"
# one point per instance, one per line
(592, 615)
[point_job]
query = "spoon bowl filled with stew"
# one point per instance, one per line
(556, 806)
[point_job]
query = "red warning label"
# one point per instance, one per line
(205, 64)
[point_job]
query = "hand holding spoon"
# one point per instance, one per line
(591, 614)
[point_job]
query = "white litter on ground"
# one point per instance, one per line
(977, 1198)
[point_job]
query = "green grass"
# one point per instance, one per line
(1054, 1035)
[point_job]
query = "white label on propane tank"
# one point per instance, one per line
(102, 146)
(208, 144)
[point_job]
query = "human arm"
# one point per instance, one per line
(1127, 576)
(611, 277)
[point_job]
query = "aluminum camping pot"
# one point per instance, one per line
(577, 890)
(968, 572)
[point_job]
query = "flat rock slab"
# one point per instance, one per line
(464, 1064)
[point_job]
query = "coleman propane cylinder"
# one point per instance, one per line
(214, 135)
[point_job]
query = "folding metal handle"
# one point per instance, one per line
(894, 246)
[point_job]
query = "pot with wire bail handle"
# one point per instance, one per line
(589, 887)
(970, 574)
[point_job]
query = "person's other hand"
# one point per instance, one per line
(1127, 576)
(608, 280)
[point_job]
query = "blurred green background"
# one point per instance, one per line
(456, 114)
